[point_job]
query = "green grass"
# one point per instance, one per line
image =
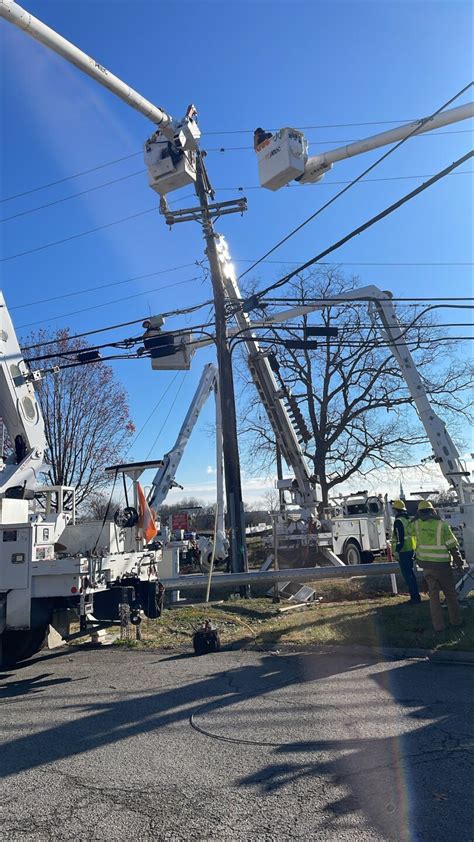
(380, 621)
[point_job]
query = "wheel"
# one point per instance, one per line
(352, 553)
(21, 645)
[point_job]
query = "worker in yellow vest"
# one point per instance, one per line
(435, 545)
(403, 545)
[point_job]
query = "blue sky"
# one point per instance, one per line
(243, 64)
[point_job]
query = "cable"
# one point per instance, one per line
(76, 236)
(364, 226)
(72, 196)
(357, 263)
(323, 183)
(166, 419)
(108, 303)
(69, 177)
(432, 133)
(359, 177)
(101, 286)
(236, 131)
(85, 233)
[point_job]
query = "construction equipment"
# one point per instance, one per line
(39, 578)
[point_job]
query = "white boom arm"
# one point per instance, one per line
(381, 304)
(14, 13)
(319, 164)
(270, 393)
(20, 413)
(164, 478)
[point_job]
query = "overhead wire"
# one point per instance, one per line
(109, 303)
(361, 175)
(168, 415)
(323, 183)
(342, 141)
(355, 232)
(86, 233)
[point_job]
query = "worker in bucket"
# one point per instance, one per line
(435, 546)
(403, 544)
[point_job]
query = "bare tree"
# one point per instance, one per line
(350, 389)
(86, 415)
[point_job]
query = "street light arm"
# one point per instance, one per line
(15, 14)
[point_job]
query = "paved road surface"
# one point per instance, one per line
(99, 746)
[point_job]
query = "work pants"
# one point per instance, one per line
(439, 577)
(407, 564)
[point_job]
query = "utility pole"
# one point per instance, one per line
(235, 508)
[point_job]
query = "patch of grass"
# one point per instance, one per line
(386, 621)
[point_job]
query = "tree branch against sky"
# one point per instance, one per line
(351, 390)
(86, 415)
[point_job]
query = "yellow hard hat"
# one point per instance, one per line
(425, 505)
(398, 504)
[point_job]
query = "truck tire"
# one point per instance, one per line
(21, 645)
(352, 552)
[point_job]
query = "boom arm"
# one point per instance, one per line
(270, 394)
(382, 307)
(20, 412)
(164, 478)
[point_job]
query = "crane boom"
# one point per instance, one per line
(21, 414)
(164, 477)
(270, 393)
(316, 165)
(38, 30)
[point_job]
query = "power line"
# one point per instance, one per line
(69, 177)
(321, 126)
(85, 233)
(358, 178)
(108, 303)
(390, 209)
(221, 149)
(76, 236)
(168, 415)
(359, 263)
(323, 183)
(101, 286)
(73, 196)
(341, 141)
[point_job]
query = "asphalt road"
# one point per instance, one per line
(118, 745)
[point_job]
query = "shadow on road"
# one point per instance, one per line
(400, 756)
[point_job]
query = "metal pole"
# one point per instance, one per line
(235, 509)
(219, 461)
(302, 574)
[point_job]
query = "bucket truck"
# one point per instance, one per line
(39, 578)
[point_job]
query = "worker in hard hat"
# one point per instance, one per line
(259, 137)
(435, 546)
(403, 545)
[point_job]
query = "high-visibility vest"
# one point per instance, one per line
(434, 539)
(409, 540)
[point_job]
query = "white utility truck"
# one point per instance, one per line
(39, 578)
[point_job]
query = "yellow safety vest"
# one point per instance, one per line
(434, 539)
(409, 540)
